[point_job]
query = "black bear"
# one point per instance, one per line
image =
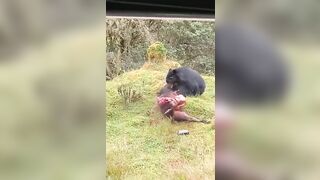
(185, 80)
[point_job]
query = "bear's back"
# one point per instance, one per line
(191, 80)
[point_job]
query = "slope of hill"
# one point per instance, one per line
(142, 144)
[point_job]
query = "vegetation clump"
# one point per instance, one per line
(157, 52)
(157, 58)
(129, 93)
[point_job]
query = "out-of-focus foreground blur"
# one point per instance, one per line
(52, 89)
(281, 137)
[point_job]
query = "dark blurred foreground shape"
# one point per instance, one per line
(249, 68)
(249, 71)
(280, 136)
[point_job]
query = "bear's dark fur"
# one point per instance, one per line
(186, 80)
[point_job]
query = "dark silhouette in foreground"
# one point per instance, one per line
(249, 72)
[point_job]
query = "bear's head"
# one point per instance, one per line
(172, 77)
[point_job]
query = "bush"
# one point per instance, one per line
(129, 93)
(157, 52)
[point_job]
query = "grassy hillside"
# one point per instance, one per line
(142, 144)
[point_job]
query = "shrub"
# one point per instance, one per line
(157, 52)
(129, 93)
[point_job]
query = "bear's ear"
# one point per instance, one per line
(170, 70)
(174, 71)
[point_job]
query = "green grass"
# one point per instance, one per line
(142, 144)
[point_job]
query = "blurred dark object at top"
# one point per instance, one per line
(249, 68)
(161, 8)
